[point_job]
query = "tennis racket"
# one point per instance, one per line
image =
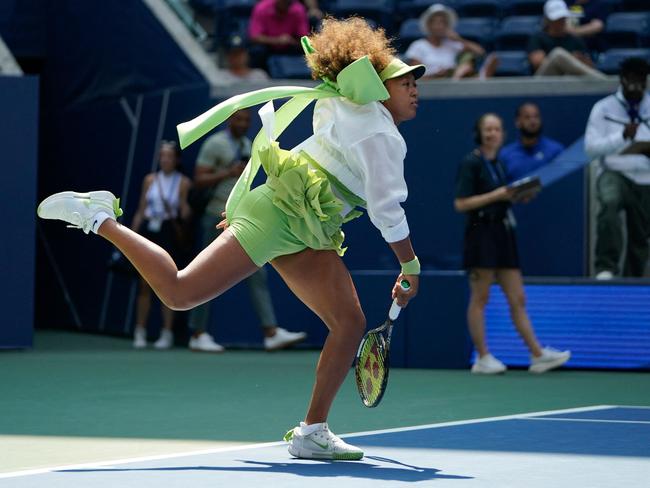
(372, 361)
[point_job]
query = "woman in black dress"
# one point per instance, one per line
(490, 251)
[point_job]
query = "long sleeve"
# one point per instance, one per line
(380, 159)
(601, 137)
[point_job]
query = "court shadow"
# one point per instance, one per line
(396, 471)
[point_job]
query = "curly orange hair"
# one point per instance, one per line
(341, 42)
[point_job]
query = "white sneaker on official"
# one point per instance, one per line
(320, 444)
(165, 341)
(140, 338)
(205, 343)
(283, 338)
(605, 275)
(550, 359)
(80, 210)
(488, 364)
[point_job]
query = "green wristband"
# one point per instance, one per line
(412, 267)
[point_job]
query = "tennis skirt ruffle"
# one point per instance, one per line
(294, 210)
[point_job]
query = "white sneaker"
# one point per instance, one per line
(80, 209)
(321, 444)
(488, 364)
(140, 338)
(605, 275)
(205, 343)
(165, 341)
(550, 359)
(283, 338)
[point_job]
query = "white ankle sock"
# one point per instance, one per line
(310, 429)
(99, 219)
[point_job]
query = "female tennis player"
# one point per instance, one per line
(491, 249)
(354, 159)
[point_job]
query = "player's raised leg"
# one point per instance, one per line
(323, 283)
(217, 268)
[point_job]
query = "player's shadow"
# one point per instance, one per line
(397, 472)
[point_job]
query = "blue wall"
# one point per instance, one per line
(19, 142)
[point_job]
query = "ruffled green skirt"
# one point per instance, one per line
(295, 209)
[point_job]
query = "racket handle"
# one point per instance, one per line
(395, 309)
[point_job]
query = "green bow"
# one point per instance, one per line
(358, 82)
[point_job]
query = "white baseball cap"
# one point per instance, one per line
(556, 9)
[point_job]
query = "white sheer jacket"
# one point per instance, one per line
(361, 147)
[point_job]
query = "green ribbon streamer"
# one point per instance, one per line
(358, 82)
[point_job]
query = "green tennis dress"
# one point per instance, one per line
(297, 207)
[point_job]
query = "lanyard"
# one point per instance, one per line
(496, 171)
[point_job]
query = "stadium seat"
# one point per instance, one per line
(524, 7)
(407, 9)
(238, 8)
(477, 29)
(634, 5)
(408, 32)
(627, 29)
(288, 67)
(610, 61)
(514, 32)
(380, 11)
(206, 6)
(478, 8)
(512, 63)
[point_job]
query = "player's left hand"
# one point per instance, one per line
(223, 225)
(403, 297)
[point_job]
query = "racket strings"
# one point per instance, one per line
(370, 370)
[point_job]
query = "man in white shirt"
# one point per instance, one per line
(616, 125)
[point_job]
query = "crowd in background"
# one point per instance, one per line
(453, 38)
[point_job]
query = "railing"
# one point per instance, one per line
(185, 15)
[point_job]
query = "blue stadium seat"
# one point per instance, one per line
(380, 11)
(238, 8)
(514, 32)
(408, 32)
(477, 29)
(288, 67)
(610, 61)
(634, 5)
(206, 6)
(627, 29)
(512, 63)
(407, 9)
(478, 8)
(524, 7)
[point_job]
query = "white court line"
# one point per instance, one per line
(31, 472)
(590, 420)
(633, 406)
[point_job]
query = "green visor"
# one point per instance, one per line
(397, 68)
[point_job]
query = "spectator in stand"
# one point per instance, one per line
(531, 150)
(587, 21)
(276, 27)
(237, 64)
(554, 51)
(443, 52)
(163, 201)
(616, 123)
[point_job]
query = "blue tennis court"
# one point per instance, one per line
(598, 446)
